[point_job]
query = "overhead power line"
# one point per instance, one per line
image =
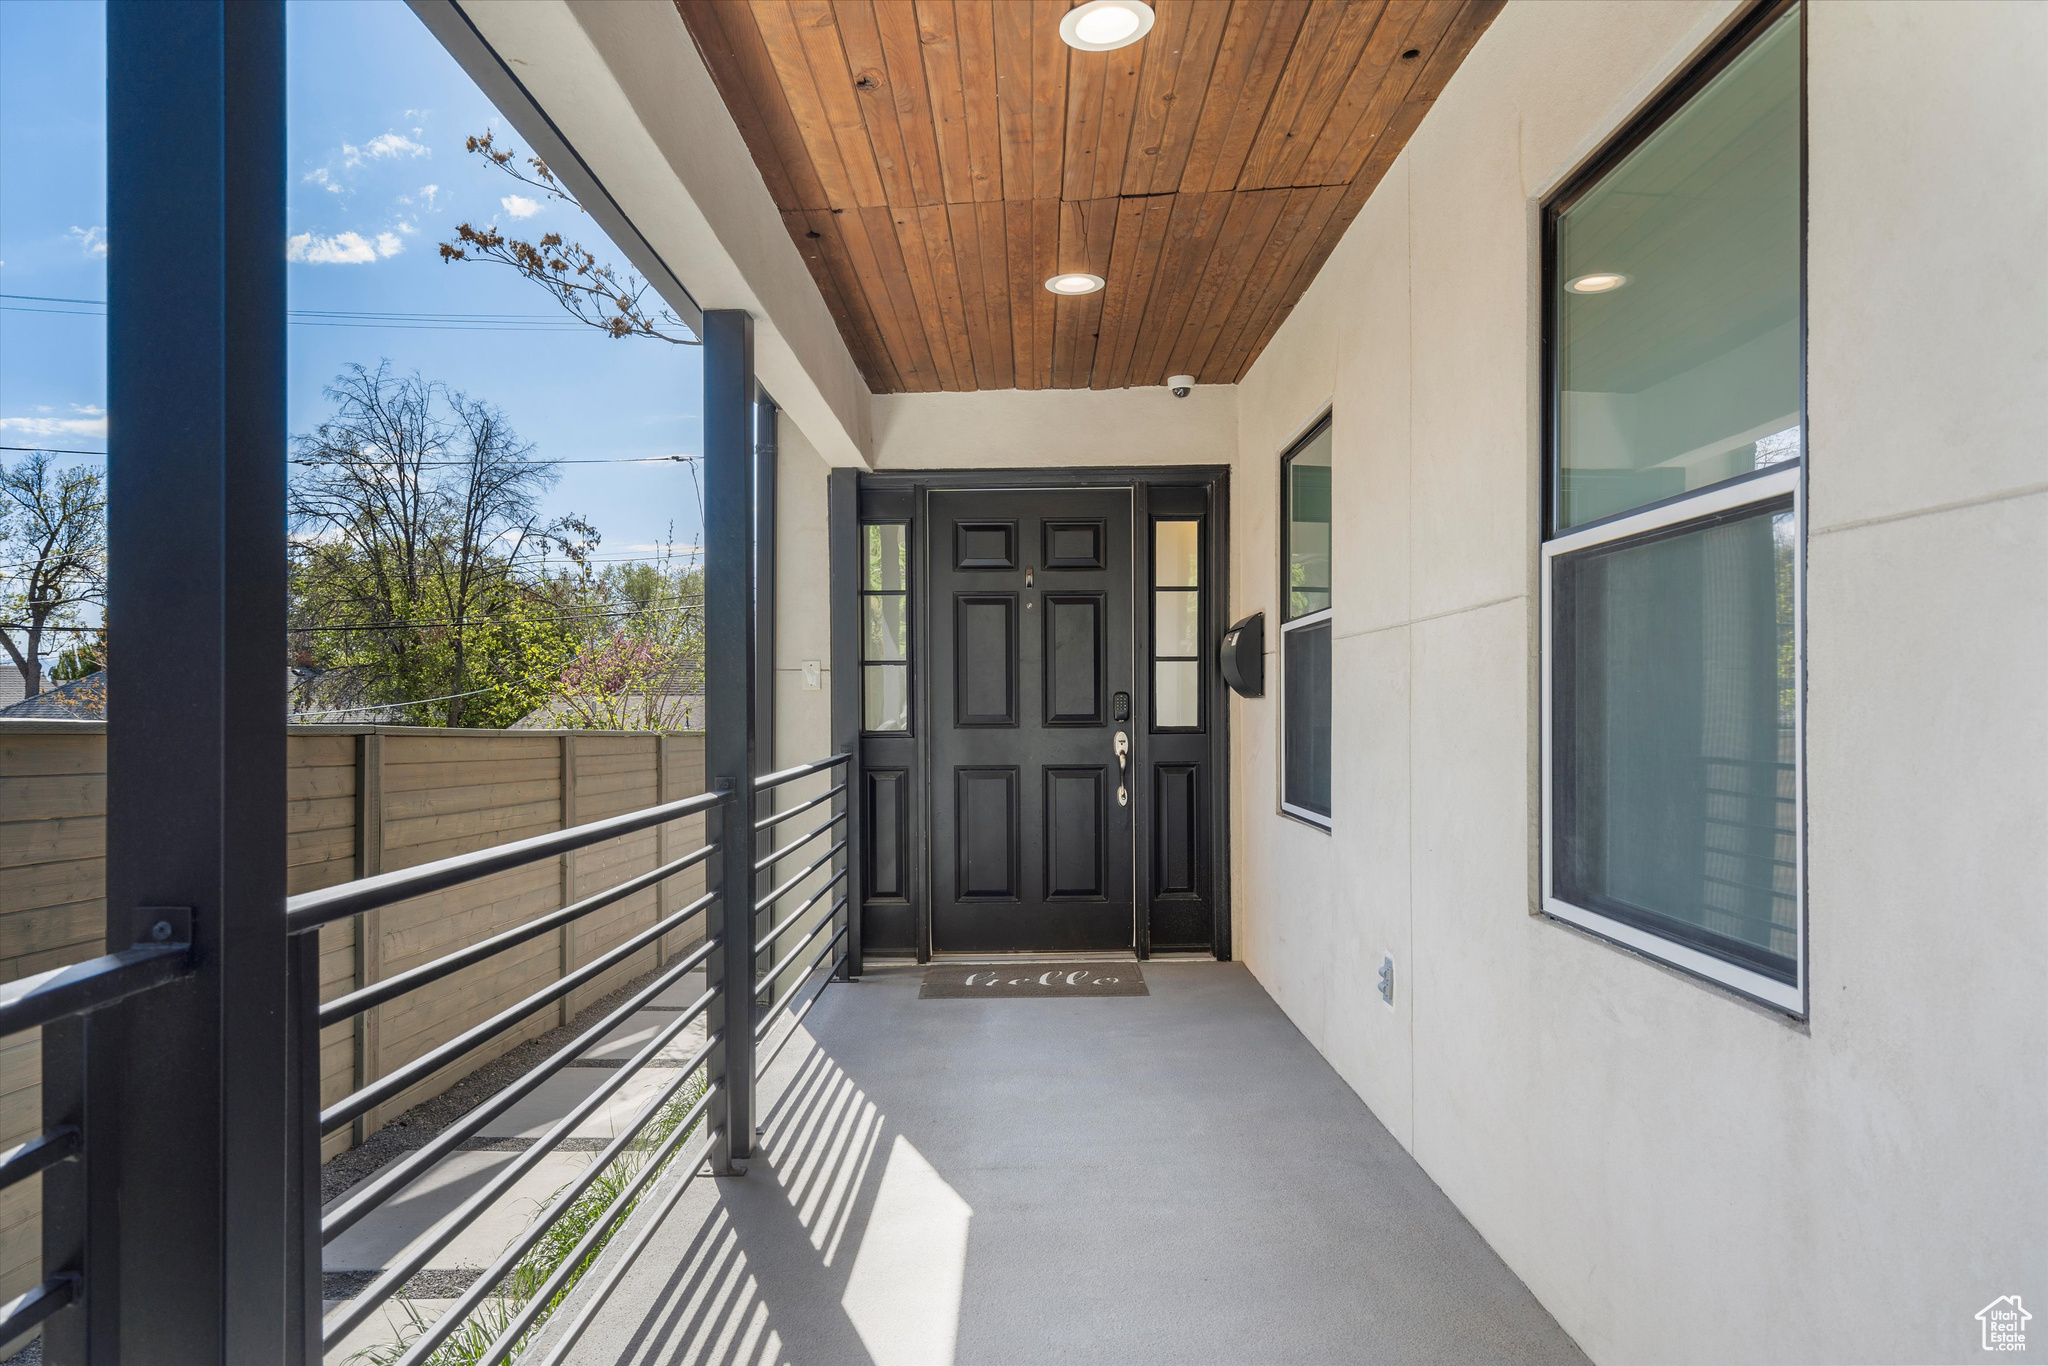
(448, 464)
(336, 317)
(383, 706)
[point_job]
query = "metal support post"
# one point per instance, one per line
(730, 708)
(842, 535)
(206, 1169)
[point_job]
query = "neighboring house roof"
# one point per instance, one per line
(12, 689)
(82, 699)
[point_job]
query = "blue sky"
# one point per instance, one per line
(377, 117)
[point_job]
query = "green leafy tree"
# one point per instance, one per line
(419, 558)
(639, 664)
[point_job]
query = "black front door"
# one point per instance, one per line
(1030, 666)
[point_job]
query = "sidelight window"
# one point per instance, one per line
(885, 627)
(1176, 625)
(1305, 628)
(1673, 538)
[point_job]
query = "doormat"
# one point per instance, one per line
(964, 981)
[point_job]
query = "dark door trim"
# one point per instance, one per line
(899, 767)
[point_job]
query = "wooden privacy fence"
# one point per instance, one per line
(363, 800)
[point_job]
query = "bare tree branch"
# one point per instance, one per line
(53, 555)
(590, 290)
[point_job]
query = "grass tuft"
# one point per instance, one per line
(468, 1343)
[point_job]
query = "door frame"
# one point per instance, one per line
(901, 495)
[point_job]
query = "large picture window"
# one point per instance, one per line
(1305, 628)
(1673, 538)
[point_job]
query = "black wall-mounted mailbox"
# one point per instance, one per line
(1244, 656)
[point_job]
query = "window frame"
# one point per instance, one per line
(1289, 623)
(1200, 592)
(907, 593)
(1745, 490)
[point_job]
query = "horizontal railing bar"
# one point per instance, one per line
(342, 1007)
(761, 1029)
(347, 1317)
(394, 1178)
(779, 817)
(63, 992)
(761, 1068)
(427, 1343)
(501, 1348)
(799, 842)
(310, 910)
(790, 775)
(385, 1087)
(768, 977)
(790, 884)
(24, 1160)
(779, 930)
(31, 1307)
(615, 1265)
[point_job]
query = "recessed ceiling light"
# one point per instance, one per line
(1599, 282)
(1101, 25)
(1076, 283)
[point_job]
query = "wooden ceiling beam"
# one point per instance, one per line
(937, 160)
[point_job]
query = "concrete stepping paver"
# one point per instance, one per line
(386, 1232)
(382, 1236)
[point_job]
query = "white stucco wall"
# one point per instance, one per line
(1035, 428)
(1677, 1175)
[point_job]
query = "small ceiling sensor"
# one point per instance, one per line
(1599, 282)
(1101, 25)
(1075, 283)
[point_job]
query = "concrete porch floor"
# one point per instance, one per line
(1172, 1178)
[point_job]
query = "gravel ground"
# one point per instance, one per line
(418, 1126)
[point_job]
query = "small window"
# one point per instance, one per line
(1177, 625)
(1305, 629)
(885, 627)
(1673, 545)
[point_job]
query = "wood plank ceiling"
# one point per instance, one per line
(937, 160)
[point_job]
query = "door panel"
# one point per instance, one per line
(986, 802)
(1073, 658)
(985, 659)
(1031, 606)
(1073, 832)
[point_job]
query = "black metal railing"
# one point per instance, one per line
(732, 1043)
(61, 1002)
(738, 1048)
(306, 913)
(836, 916)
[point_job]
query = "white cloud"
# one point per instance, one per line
(91, 241)
(519, 206)
(89, 409)
(430, 194)
(386, 145)
(320, 176)
(342, 249)
(389, 244)
(56, 426)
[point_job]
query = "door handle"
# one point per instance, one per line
(1123, 769)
